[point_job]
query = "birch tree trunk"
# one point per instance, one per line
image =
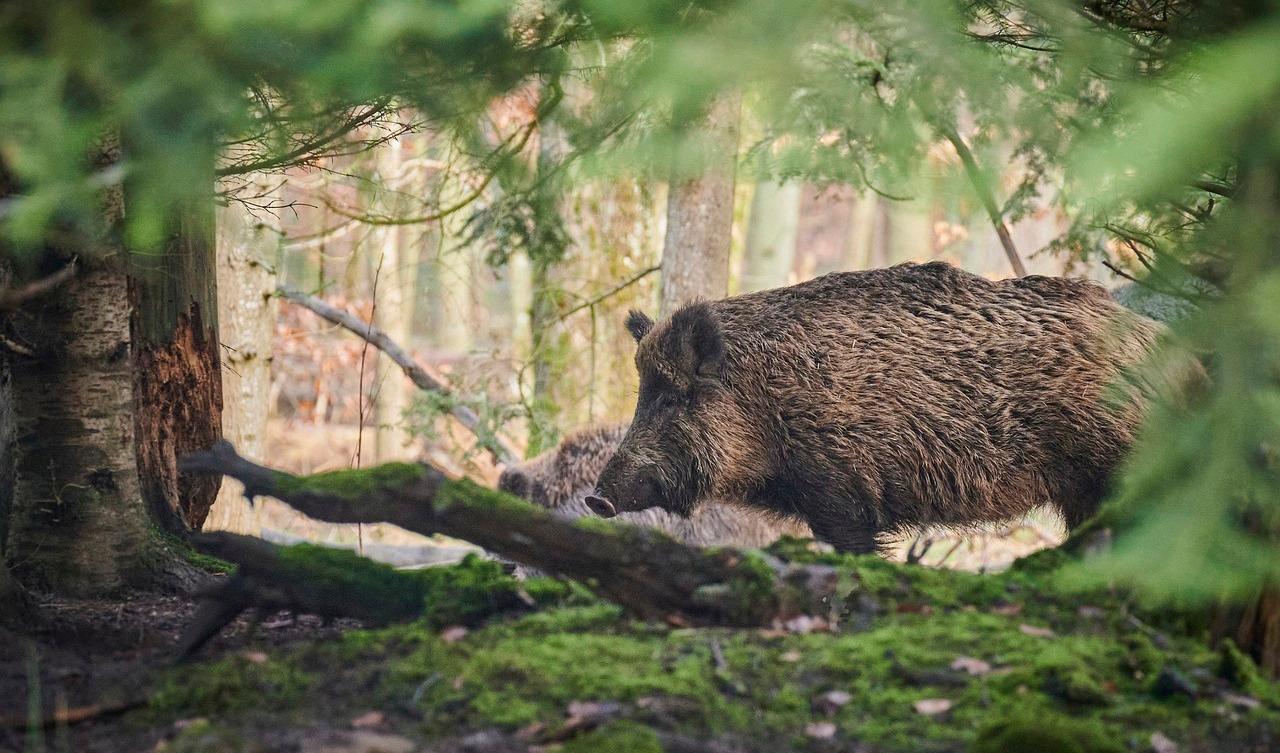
(695, 255)
(771, 235)
(78, 524)
(122, 376)
(248, 257)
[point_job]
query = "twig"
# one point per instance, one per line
(611, 292)
(914, 555)
(73, 715)
(15, 297)
(986, 195)
(417, 373)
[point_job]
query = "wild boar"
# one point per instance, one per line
(872, 403)
(561, 478)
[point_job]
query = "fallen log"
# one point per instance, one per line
(640, 569)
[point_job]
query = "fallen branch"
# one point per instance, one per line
(640, 569)
(12, 298)
(74, 714)
(417, 373)
(986, 196)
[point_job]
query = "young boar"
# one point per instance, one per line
(869, 403)
(561, 478)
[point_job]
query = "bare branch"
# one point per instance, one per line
(15, 297)
(417, 373)
(611, 291)
(986, 195)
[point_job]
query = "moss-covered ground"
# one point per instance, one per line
(919, 660)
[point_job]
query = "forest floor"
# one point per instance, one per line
(912, 659)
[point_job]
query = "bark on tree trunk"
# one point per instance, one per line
(78, 524)
(393, 313)
(248, 256)
(695, 255)
(771, 236)
(177, 368)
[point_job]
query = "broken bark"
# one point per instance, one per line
(642, 570)
(177, 367)
(417, 373)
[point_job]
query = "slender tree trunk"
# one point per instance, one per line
(695, 255)
(771, 235)
(394, 315)
(248, 257)
(13, 604)
(880, 245)
(548, 343)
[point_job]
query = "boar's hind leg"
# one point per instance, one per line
(1081, 502)
(845, 534)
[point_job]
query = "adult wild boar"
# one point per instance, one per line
(561, 478)
(868, 403)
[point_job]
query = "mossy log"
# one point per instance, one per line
(642, 570)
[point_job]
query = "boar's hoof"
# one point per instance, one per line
(601, 506)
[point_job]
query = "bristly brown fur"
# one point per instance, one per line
(561, 478)
(873, 402)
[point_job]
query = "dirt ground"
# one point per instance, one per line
(104, 653)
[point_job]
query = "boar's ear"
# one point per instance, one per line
(638, 324)
(514, 481)
(698, 341)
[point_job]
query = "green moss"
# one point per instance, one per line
(619, 737)
(1082, 689)
(1043, 733)
(168, 544)
(467, 593)
(333, 576)
(230, 685)
(1238, 668)
(354, 483)
(200, 736)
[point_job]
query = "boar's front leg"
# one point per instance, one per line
(844, 532)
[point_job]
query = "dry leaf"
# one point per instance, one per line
(255, 657)
(1162, 744)
(453, 634)
(975, 667)
(791, 657)
(832, 700)
(371, 719)
(932, 706)
(1241, 701)
(1038, 632)
(820, 730)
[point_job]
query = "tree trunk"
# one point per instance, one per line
(393, 313)
(78, 524)
(771, 236)
(880, 244)
(177, 367)
(695, 254)
(248, 256)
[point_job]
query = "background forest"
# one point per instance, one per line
(192, 192)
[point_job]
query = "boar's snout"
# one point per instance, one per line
(601, 506)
